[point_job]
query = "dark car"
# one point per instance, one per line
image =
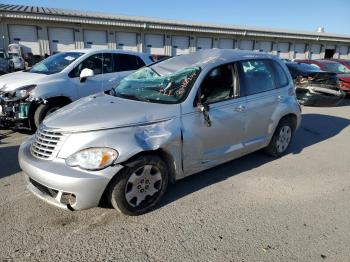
(342, 72)
(315, 87)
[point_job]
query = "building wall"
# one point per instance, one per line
(286, 48)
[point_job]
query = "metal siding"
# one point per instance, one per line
(265, 46)
(204, 43)
(226, 43)
(154, 44)
(61, 39)
(246, 45)
(180, 45)
(343, 52)
(315, 52)
(26, 36)
(95, 39)
(299, 51)
(126, 41)
(283, 50)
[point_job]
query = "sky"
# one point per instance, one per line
(305, 15)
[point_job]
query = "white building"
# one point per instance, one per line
(42, 30)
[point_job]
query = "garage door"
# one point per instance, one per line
(180, 45)
(204, 43)
(343, 52)
(283, 50)
(299, 51)
(95, 39)
(126, 41)
(265, 46)
(246, 45)
(315, 52)
(226, 43)
(26, 36)
(61, 39)
(154, 44)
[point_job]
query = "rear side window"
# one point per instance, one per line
(281, 79)
(124, 62)
(256, 77)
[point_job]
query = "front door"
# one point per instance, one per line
(102, 65)
(204, 144)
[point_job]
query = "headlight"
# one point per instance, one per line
(93, 158)
(24, 91)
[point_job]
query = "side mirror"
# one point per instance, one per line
(85, 73)
(204, 108)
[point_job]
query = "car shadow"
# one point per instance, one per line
(314, 129)
(9, 161)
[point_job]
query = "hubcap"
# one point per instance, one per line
(143, 183)
(284, 138)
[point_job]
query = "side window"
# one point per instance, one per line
(219, 84)
(256, 77)
(124, 62)
(107, 63)
(93, 62)
(281, 79)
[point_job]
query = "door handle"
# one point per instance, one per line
(240, 108)
(280, 98)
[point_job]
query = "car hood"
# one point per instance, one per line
(344, 77)
(103, 111)
(11, 82)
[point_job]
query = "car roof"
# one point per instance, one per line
(98, 50)
(204, 58)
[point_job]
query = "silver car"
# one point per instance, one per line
(162, 123)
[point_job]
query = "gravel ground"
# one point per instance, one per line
(256, 208)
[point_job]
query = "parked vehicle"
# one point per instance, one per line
(162, 123)
(27, 97)
(333, 67)
(15, 56)
(344, 62)
(4, 63)
(17, 62)
(315, 87)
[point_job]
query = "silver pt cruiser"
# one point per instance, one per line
(160, 124)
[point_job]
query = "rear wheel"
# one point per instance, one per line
(281, 139)
(139, 186)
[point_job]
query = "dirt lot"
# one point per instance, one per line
(256, 208)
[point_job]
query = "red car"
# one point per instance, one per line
(344, 62)
(342, 72)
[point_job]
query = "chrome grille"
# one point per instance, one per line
(46, 144)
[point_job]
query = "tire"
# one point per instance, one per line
(281, 138)
(130, 192)
(43, 111)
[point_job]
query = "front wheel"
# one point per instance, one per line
(281, 139)
(139, 186)
(43, 111)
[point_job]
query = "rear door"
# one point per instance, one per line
(208, 145)
(124, 65)
(260, 84)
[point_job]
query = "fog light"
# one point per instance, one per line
(68, 199)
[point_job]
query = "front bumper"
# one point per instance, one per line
(51, 180)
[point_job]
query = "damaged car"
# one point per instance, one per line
(343, 73)
(160, 124)
(315, 87)
(27, 97)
